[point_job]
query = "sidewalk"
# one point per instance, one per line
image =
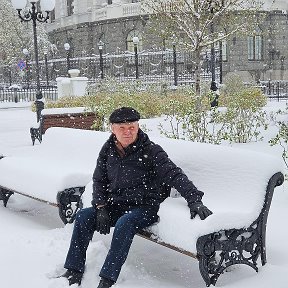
(7, 105)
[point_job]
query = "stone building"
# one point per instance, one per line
(85, 23)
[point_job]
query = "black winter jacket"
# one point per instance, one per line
(129, 181)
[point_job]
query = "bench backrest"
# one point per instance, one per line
(71, 120)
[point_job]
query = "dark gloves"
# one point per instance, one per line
(200, 209)
(102, 221)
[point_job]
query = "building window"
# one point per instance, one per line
(223, 46)
(70, 7)
(109, 2)
(129, 40)
(255, 46)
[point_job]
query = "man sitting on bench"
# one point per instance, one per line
(132, 177)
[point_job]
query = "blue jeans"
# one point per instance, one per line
(127, 224)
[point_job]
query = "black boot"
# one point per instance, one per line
(73, 276)
(105, 283)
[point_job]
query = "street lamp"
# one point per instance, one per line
(67, 48)
(175, 64)
(46, 67)
(100, 47)
(135, 42)
(214, 5)
(34, 15)
(26, 53)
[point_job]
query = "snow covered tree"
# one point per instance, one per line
(196, 25)
(16, 35)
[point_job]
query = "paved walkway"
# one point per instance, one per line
(7, 105)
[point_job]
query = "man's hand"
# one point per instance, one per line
(102, 221)
(200, 209)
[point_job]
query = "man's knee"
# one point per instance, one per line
(85, 215)
(127, 223)
(135, 220)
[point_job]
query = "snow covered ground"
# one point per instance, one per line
(34, 242)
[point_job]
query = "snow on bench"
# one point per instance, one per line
(238, 186)
(55, 172)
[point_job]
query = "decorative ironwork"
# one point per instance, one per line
(5, 195)
(219, 250)
(35, 134)
(69, 202)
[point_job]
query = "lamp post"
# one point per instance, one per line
(34, 15)
(100, 47)
(26, 53)
(175, 64)
(220, 63)
(135, 42)
(67, 48)
(214, 5)
(46, 67)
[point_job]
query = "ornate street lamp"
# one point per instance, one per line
(67, 48)
(135, 42)
(26, 53)
(34, 14)
(100, 47)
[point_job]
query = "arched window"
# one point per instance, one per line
(255, 46)
(224, 50)
(129, 40)
(221, 49)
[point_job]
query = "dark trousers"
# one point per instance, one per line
(127, 223)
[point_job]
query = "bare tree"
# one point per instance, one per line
(199, 24)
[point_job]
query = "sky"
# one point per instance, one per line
(34, 241)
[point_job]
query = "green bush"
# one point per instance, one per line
(66, 102)
(281, 138)
(245, 117)
(188, 116)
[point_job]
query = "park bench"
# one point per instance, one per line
(55, 172)
(62, 117)
(238, 186)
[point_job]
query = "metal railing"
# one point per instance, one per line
(27, 94)
(153, 65)
(275, 89)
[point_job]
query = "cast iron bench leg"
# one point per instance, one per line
(69, 202)
(5, 195)
(217, 251)
(35, 134)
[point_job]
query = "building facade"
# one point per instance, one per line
(86, 23)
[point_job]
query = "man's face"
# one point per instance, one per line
(126, 133)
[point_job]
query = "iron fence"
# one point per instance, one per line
(275, 90)
(27, 94)
(153, 65)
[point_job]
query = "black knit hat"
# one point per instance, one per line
(124, 115)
